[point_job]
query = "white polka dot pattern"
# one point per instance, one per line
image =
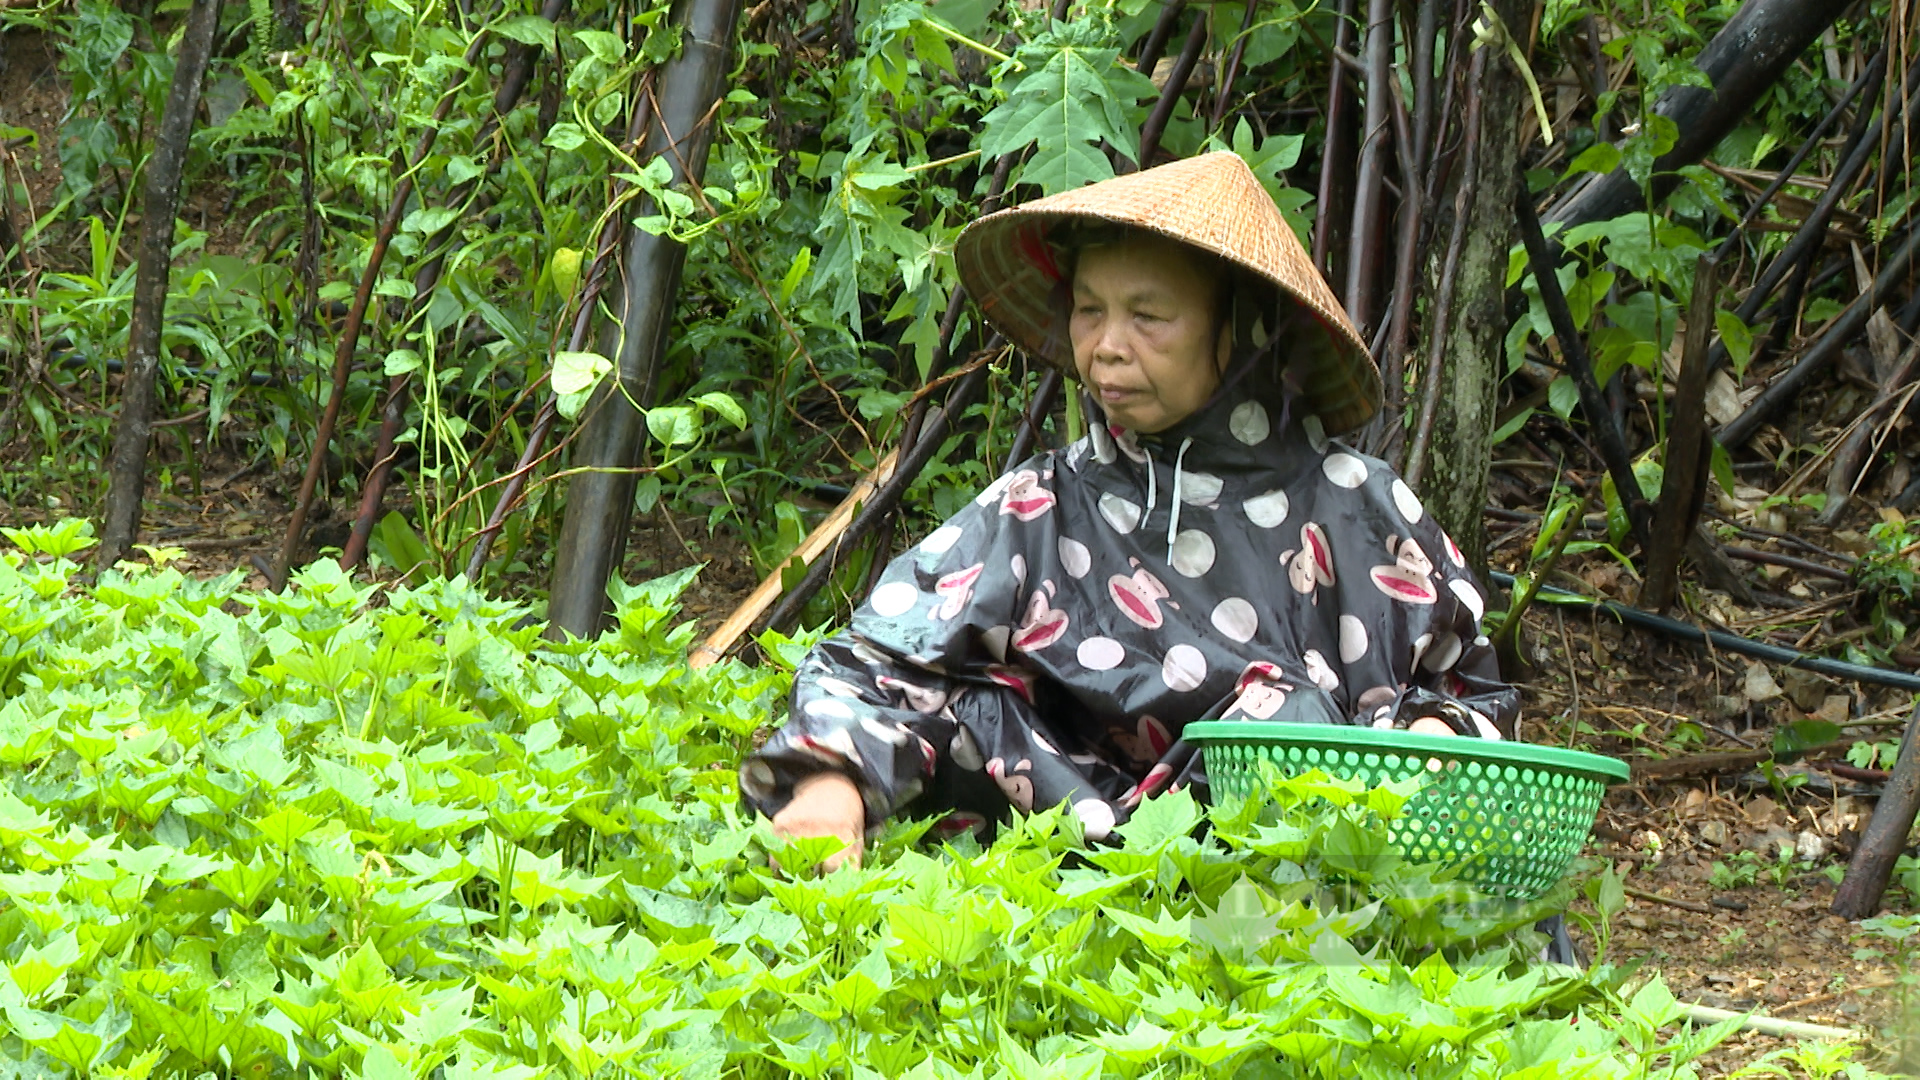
(1100, 654)
(1184, 669)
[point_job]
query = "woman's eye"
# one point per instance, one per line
(1086, 310)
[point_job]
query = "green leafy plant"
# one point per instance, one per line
(1737, 872)
(1867, 754)
(355, 830)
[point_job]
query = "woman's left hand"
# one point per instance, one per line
(1431, 725)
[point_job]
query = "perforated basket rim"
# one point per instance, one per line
(1340, 737)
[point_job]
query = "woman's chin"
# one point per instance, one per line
(1134, 421)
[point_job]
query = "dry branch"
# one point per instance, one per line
(1851, 458)
(513, 83)
(127, 471)
(1688, 447)
(1886, 833)
(357, 315)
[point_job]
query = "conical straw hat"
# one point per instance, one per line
(1213, 202)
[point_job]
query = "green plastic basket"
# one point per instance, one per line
(1512, 815)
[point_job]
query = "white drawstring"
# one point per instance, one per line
(1173, 514)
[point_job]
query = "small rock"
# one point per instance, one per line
(1638, 922)
(1719, 978)
(1714, 832)
(1836, 709)
(1759, 684)
(1809, 846)
(1731, 903)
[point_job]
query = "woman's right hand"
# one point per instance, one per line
(826, 804)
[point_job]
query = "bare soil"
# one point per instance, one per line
(1754, 933)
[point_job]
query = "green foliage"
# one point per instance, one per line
(352, 831)
(1889, 565)
(1073, 94)
(1867, 754)
(819, 258)
(1628, 280)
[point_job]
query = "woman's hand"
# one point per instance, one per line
(1431, 725)
(826, 804)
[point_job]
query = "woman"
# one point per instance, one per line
(1206, 553)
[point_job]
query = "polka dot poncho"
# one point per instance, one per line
(1051, 641)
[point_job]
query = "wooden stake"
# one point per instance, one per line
(1689, 452)
(818, 541)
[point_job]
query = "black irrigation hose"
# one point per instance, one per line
(821, 489)
(75, 361)
(1646, 620)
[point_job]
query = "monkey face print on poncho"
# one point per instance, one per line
(1051, 641)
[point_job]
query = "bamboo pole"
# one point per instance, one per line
(595, 281)
(1334, 183)
(1463, 198)
(593, 535)
(1544, 263)
(1838, 333)
(1370, 188)
(1746, 57)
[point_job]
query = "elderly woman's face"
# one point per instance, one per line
(1144, 332)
